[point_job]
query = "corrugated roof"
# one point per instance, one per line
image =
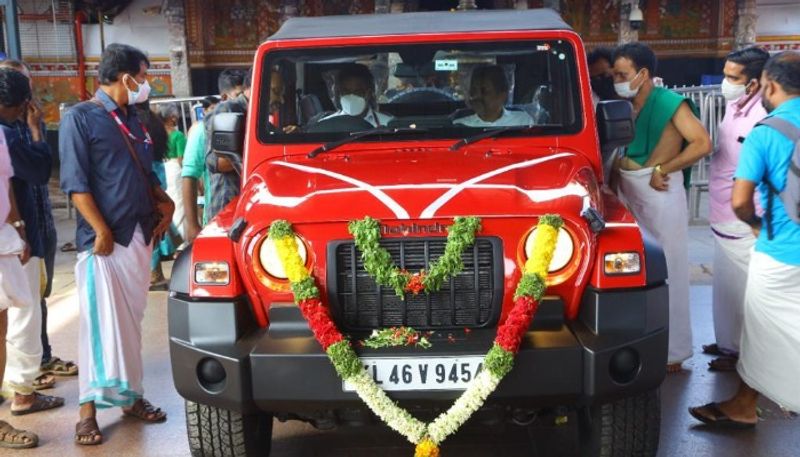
(417, 23)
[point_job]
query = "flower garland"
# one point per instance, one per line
(396, 336)
(497, 363)
(378, 262)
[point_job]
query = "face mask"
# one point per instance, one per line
(141, 95)
(624, 89)
(732, 91)
(603, 86)
(353, 105)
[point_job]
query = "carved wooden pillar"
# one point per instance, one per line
(626, 33)
(175, 14)
(745, 29)
(553, 4)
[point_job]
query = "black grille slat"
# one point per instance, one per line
(467, 300)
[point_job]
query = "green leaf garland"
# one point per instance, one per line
(378, 261)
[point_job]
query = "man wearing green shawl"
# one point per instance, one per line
(668, 140)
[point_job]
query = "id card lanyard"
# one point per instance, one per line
(126, 131)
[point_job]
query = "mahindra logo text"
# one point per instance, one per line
(413, 229)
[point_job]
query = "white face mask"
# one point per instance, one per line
(732, 91)
(141, 95)
(624, 89)
(353, 105)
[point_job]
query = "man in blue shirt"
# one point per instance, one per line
(106, 169)
(769, 362)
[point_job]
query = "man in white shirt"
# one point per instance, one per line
(355, 91)
(488, 95)
(13, 286)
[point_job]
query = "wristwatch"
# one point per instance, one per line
(657, 169)
(18, 224)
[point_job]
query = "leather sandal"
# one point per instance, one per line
(144, 410)
(40, 403)
(88, 428)
(718, 419)
(12, 438)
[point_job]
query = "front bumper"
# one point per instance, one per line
(283, 369)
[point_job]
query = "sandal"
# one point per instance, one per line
(88, 428)
(676, 367)
(44, 381)
(13, 438)
(718, 418)
(40, 403)
(723, 364)
(60, 367)
(715, 350)
(144, 410)
(68, 247)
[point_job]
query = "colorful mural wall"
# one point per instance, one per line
(57, 83)
(227, 32)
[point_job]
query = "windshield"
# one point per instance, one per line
(446, 90)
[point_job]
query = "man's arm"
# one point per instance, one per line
(104, 239)
(696, 136)
(192, 219)
(743, 205)
(13, 216)
(31, 162)
(166, 208)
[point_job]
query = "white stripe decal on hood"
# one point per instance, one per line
(430, 211)
(398, 210)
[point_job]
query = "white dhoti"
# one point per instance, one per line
(732, 245)
(174, 189)
(769, 360)
(11, 273)
(112, 292)
(24, 337)
(666, 217)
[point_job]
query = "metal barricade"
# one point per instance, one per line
(711, 104)
(186, 106)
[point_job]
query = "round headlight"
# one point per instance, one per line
(270, 260)
(563, 253)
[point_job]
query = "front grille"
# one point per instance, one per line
(468, 300)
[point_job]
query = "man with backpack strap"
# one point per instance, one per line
(769, 362)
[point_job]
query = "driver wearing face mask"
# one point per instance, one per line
(488, 95)
(355, 93)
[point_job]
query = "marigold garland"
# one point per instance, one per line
(378, 262)
(498, 361)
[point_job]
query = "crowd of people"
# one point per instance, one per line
(754, 192)
(135, 178)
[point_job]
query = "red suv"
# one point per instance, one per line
(401, 130)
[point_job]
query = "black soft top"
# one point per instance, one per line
(418, 23)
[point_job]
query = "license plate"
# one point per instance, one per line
(423, 373)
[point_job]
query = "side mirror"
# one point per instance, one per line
(614, 124)
(227, 133)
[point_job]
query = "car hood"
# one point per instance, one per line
(416, 184)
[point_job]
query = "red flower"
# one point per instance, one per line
(414, 284)
(320, 322)
(509, 335)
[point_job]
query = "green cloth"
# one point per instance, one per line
(194, 160)
(657, 111)
(176, 144)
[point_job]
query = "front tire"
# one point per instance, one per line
(215, 432)
(624, 428)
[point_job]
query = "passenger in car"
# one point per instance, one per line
(355, 93)
(488, 95)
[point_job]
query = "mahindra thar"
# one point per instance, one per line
(424, 147)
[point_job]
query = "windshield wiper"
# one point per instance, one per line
(495, 132)
(355, 136)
